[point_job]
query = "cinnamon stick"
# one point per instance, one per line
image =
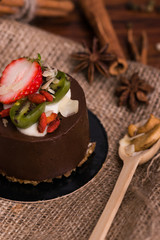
(7, 10)
(99, 19)
(48, 12)
(139, 56)
(39, 11)
(66, 5)
(133, 45)
(144, 51)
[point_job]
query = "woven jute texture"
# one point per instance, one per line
(74, 216)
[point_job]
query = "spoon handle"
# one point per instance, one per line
(113, 204)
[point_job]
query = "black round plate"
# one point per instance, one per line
(61, 187)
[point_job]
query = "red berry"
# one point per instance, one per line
(52, 117)
(5, 112)
(53, 125)
(36, 98)
(47, 95)
(42, 123)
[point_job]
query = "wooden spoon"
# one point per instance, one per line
(130, 164)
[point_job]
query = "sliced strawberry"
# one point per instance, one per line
(19, 79)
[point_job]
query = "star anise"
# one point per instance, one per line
(133, 91)
(93, 58)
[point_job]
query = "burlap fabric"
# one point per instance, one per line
(75, 215)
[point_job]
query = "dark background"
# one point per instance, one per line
(76, 27)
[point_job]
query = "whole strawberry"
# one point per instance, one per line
(20, 78)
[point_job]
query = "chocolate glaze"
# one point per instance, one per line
(39, 158)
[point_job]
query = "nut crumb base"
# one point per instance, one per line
(90, 150)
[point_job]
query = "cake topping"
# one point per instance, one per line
(5, 122)
(53, 125)
(51, 118)
(68, 107)
(42, 123)
(50, 73)
(36, 98)
(32, 90)
(24, 113)
(5, 112)
(19, 79)
(47, 95)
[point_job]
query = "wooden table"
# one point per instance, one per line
(77, 28)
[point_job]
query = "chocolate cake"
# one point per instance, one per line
(32, 158)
